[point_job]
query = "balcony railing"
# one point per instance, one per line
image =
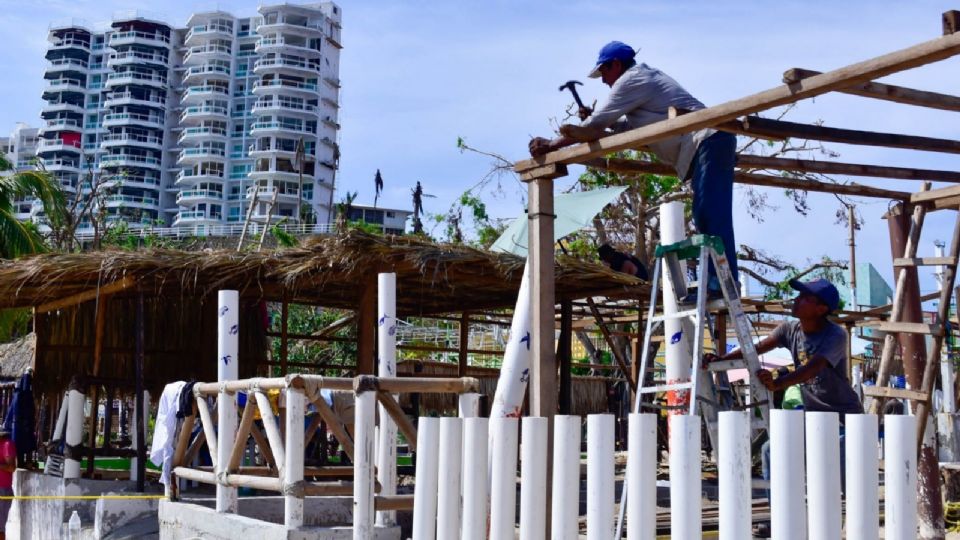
(207, 68)
(68, 62)
(202, 152)
(137, 76)
(203, 109)
(279, 83)
(132, 199)
(133, 116)
(118, 36)
(133, 137)
(201, 131)
(285, 62)
(199, 193)
(206, 89)
(116, 159)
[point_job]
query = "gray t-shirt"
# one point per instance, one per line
(641, 96)
(829, 390)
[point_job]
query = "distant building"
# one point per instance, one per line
(872, 289)
(390, 220)
(20, 149)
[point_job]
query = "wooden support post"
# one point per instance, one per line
(367, 326)
(92, 430)
(284, 342)
(403, 422)
(565, 356)
(99, 325)
(464, 344)
(108, 417)
(140, 418)
(951, 22)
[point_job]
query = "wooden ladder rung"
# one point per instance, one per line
(910, 328)
(887, 392)
(925, 261)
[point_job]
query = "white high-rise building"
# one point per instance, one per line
(191, 127)
(20, 150)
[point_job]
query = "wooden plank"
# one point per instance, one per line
(951, 22)
(767, 126)
(856, 190)
(546, 172)
(403, 422)
(183, 441)
(393, 502)
(874, 68)
(284, 340)
(462, 355)
(934, 194)
(542, 389)
(925, 261)
(885, 92)
(85, 296)
(898, 393)
(747, 161)
(909, 328)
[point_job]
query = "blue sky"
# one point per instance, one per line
(416, 75)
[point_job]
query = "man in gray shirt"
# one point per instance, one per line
(641, 95)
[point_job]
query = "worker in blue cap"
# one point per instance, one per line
(641, 95)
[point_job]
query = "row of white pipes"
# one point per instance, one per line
(805, 486)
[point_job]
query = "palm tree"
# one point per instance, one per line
(16, 237)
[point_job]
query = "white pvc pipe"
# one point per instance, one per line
(61, 425)
(468, 405)
(533, 478)
(600, 479)
(448, 493)
(733, 467)
(387, 367)
(425, 489)
(863, 502)
(900, 477)
(475, 432)
(685, 473)
(788, 514)
(134, 422)
(823, 475)
(293, 448)
(565, 499)
(74, 437)
(363, 477)
(503, 490)
(642, 477)
(508, 399)
(679, 333)
(228, 348)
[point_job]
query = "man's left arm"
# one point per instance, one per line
(804, 373)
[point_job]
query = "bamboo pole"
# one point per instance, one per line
(273, 431)
(335, 425)
(403, 422)
(206, 421)
(243, 432)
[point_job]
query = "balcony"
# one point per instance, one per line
(132, 119)
(201, 133)
(267, 193)
(62, 106)
(194, 196)
(297, 67)
(277, 85)
(265, 45)
(131, 200)
(136, 58)
(68, 64)
(129, 160)
(206, 52)
(61, 124)
(201, 31)
(69, 43)
(278, 106)
(266, 128)
(64, 85)
(332, 81)
(186, 178)
(117, 99)
(291, 176)
(195, 155)
(280, 25)
(207, 91)
(131, 180)
(204, 112)
(130, 77)
(134, 37)
(130, 139)
(58, 145)
(66, 165)
(206, 71)
(196, 216)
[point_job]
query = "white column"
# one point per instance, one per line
(425, 489)
(565, 499)
(293, 468)
(600, 479)
(863, 502)
(900, 477)
(642, 477)
(788, 514)
(823, 475)
(363, 477)
(503, 490)
(228, 348)
(533, 478)
(476, 432)
(448, 492)
(387, 367)
(679, 333)
(74, 436)
(734, 466)
(685, 473)
(468, 405)
(515, 371)
(132, 427)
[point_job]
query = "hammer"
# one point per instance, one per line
(571, 85)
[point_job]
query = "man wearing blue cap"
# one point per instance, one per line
(641, 95)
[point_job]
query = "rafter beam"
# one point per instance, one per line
(885, 92)
(81, 297)
(850, 169)
(861, 72)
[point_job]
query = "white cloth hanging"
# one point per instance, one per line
(161, 453)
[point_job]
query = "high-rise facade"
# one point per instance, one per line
(199, 126)
(20, 150)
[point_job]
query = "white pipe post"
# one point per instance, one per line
(293, 469)
(363, 464)
(515, 371)
(565, 499)
(74, 437)
(468, 405)
(679, 333)
(387, 367)
(132, 426)
(900, 476)
(600, 477)
(685, 473)
(59, 429)
(448, 493)
(425, 489)
(823, 475)
(788, 514)
(533, 478)
(642, 477)
(503, 490)
(734, 475)
(863, 502)
(228, 348)
(476, 433)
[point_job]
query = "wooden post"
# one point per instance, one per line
(564, 356)
(92, 427)
(464, 344)
(108, 417)
(140, 421)
(367, 326)
(284, 341)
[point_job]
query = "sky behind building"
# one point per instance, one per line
(418, 75)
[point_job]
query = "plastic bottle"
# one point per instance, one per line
(74, 526)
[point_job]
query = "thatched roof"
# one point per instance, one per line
(17, 356)
(330, 271)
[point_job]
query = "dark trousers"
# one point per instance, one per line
(712, 183)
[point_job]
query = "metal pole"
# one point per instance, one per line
(293, 466)
(363, 477)
(503, 490)
(387, 367)
(900, 475)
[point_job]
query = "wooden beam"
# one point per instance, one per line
(749, 161)
(935, 194)
(367, 326)
(856, 190)
(885, 92)
(462, 357)
(951, 22)
(403, 422)
(769, 127)
(284, 340)
(899, 393)
(101, 321)
(925, 261)
(875, 68)
(81, 297)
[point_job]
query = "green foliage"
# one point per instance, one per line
(16, 237)
(337, 357)
(283, 238)
(14, 323)
(120, 236)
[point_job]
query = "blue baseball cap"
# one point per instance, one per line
(822, 289)
(615, 50)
